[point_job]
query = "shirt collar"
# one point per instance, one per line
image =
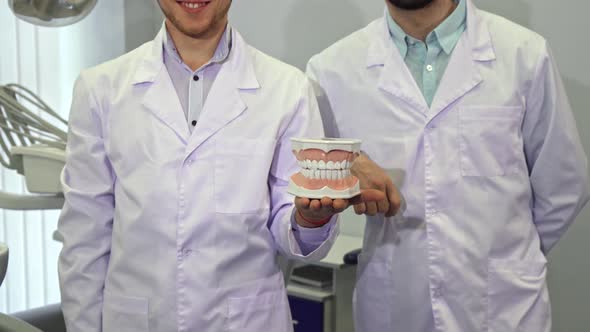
(447, 33)
(220, 55)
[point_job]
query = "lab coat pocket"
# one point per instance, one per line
(242, 166)
(518, 299)
(490, 140)
(264, 312)
(124, 313)
(372, 296)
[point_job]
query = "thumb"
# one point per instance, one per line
(368, 195)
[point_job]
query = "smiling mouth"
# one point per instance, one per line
(192, 6)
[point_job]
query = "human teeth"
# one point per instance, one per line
(314, 164)
(337, 165)
(343, 164)
(330, 165)
(316, 174)
(322, 164)
(329, 174)
(194, 5)
(308, 162)
(323, 172)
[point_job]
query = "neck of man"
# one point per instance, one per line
(419, 23)
(196, 51)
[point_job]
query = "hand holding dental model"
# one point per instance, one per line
(325, 185)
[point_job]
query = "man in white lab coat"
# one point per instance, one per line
(175, 182)
(465, 111)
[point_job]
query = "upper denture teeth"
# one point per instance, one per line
(314, 164)
(337, 165)
(330, 165)
(308, 163)
(321, 164)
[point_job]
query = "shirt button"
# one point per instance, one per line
(429, 68)
(194, 123)
(196, 77)
(438, 292)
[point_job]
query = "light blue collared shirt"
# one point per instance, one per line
(192, 87)
(427, 61)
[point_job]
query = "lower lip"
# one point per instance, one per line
(193, 10)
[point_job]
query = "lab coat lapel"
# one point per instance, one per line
(473, 50)
(224, 103)
(394, 77)
(160, 98)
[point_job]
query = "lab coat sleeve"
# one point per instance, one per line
(312, 244)
(326, 111)
(557, 164)
(87, 216)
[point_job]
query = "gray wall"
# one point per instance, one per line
(293, 30)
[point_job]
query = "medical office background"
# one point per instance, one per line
(47, 60)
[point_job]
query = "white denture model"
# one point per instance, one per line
(325, 168)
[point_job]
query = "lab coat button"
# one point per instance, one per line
(429, 68)
(196, 78)
(194, 123)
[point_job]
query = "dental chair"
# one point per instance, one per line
(9, 323)
(32, 143)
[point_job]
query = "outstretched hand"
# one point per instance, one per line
(316, 212)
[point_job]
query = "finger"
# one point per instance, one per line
(340, 205)
(368, 195)
(326, 202)
(360, 208)
(302, 202)
(395, 200)
(383, 206)
(371, 208)
(315, 205)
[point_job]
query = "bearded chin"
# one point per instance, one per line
(410, 4)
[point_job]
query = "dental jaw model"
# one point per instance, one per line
(325, 168)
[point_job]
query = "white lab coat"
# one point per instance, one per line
(492, 174)
(168, 231)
